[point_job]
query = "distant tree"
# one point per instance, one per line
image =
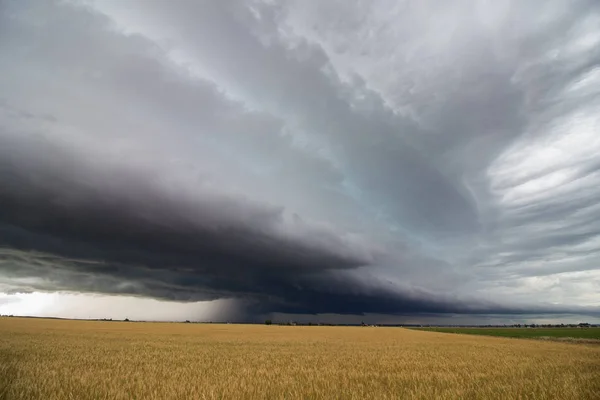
(126, 319)
(187, 321)
(268, 322)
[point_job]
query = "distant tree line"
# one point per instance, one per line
(295, 323)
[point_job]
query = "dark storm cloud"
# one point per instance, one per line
(303, 157)
(49, 192)
(118, 234)
(258, 292)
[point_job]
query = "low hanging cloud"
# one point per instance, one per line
(303, 157)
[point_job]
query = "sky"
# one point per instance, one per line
(397, 161)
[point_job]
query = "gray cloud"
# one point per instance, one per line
(303, 157)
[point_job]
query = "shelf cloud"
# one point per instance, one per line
(303, 157)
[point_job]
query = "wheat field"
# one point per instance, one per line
(59, 359)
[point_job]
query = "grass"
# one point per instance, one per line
(57, 359)
(531, 333)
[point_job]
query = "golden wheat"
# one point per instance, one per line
(55, 359)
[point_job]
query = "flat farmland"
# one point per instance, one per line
(60, 359)
(590, 335)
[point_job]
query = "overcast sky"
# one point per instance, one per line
(231, 160)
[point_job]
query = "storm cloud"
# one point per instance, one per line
(304, 157)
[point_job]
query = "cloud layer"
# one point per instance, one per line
(304, 157)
